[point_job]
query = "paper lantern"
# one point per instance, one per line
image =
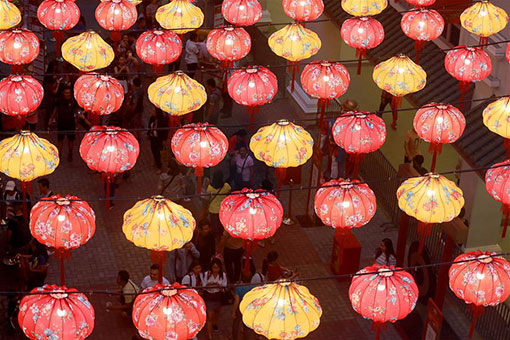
(181, 16)
(169, 312)
(294, 43)
(228, 44)
(422, 25)
(11, 16)
(58, 15)
(342, 203)
(484, 19)
(325, 81)
(26, 157)
(303, 10)
(87, 52)
(177, 94)
(199, 146)
(481, 279)
(421, 3)
(62, 222)
(135, 2)
(362, 33)
(283, 310)
(439, 124)
(241, 12)
(361, 8)
(498, 185)
(507, 52)
(116, 16)
(98, 94)
(20, 95)
(430, 199)
(158, 48)
(467, 65)
(384, 296)
(496, 117)
(252, 86)
(18, 47)
(56, 312)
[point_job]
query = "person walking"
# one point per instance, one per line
(156, 136)
(193, 278)
(213, 105)
(239, 293)
(385, 255)
(243, 162)
(206, 243)
(44, 188)
(152, 279)
(232, 255)
(128, 291)
(214, 281)
(411, 145)
(65, 112)
(217, 190)
(179, 261)
(192, 50)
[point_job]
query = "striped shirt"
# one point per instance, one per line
(381, 260)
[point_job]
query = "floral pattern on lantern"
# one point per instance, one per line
(10, 15)
(422, 25)
(158, 224)
(251, 214)
(241, 12)
(58, 15)
(361, 8)
(20, 95)
(169, 312)
(496, 117)
(228, 44)
(294, 42)
(498, 185)
(303, 10)
(252, 86)
(468, 64)
(62, 222)
(359, 132)
(181, 16)
(99, 94)
(282, 310)
(177, 94)
(26, 157)
(341, 203)
(18, 46)
(158, 47)
(325, 80)
(439, 124)
(282, 145)
(87, 52)
(484, 19)
(399, 76)
(116, 15)
(56, 312)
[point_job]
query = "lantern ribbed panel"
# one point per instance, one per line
(496, 117)
(468, 64)
(241, 12)
(229, 43)
(169, 312)
(99, 94)
(384, 296)
(62, 222)
(87, 52)
(294, 43)
(65, 314)
(484, 19)
(18, 46)
(303, 10)
(252, 86)
(158, 47)
(181, 16)
(439, 123)
(361, 8)
(422, 24)
(116, 15)
(482, 280)
(58, 15)
(344, 204)
(359, 132)
(362, 33)
(199, 145)
(325, 80)
(20, 95)
(11, 15)
(497, 182)
(399, 76)
(252, 215)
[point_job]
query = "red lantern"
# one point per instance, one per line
(303, 10)
(158, 48)
(109, 150)
(115, 16)
(58, 16)
(362, 33)
(422, 25)
(228, 44)
(384, 296)
(252, 86)
(54, 312)
(467, 64)
(358, 133)
(98, 94)
(341, 203)
(325, 81)
(421, 3)
(199, 146)
(438, 124)
(241, 12)
(169, 312)
(497, 183)
(480, 279)
(20, 95)
(18, 46)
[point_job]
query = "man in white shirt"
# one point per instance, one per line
(152, 279)
(192, 53)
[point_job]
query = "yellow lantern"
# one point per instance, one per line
(484, 19)
(282, 310)
(158, 224)
(10, 15)
(361, 8)
(25, 156)
(87, 52)
(134, 2)
(399, 76)
(181, 16)
(177, 94)
(496, 117)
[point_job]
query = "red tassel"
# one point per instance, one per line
(463, 88)
(108, 183)
(247, 247)
(435, 149)
(477, 311)
(280, 174)
(360, 54)
(506, 146)
(25, 206)
(483, 41)
(157, 69)
(424, 229)
(159, 258)
(353, 164)
(62, 255)
(506, 212)
(252, 111)
(116, 37)
(16, 69)
(293, 67)
(199, 173)
(59, 37)
(419, 45)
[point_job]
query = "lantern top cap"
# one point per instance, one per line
(441, 106)
(283, 282)
(346, 185)
(59, 294)
(228, 28)
(252, 69)
(17, 30)
(484, 259)
(24, 133)
(158, 198)
(432, 175)
(17, 78)
(325, 63)
(168, 292)
(104, 77)
(179, 73)
(283, 122)
(158, 32)
(401, 55)
(386, 272)
(252, 195)
(62, 201)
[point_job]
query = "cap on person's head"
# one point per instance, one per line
(350, 105)
(10, 186)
